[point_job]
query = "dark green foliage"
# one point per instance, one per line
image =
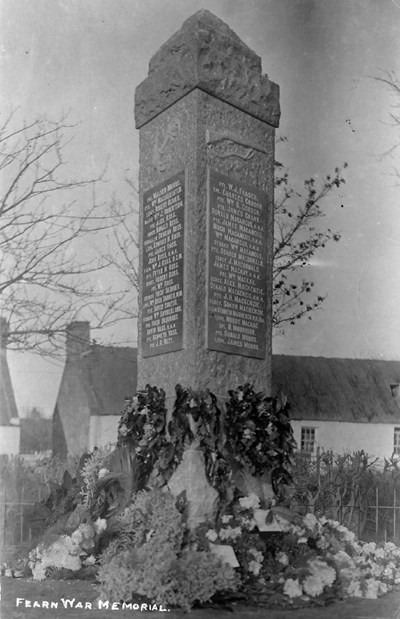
(258, 431)
(148, 558)
(113, 492)
(63, 499)
(255, 432)
(143, 426)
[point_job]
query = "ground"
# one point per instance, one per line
(387, 607)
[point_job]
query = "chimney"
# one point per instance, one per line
(78, 338)
(3, 333)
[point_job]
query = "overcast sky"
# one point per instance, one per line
(87, 57)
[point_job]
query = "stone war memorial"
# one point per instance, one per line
(207, 117)
(193, 504)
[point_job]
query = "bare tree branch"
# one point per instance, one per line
(391, 81)
(297, 239)
(48, 272)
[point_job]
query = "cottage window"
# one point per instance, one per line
(308, 439)
(396, 442)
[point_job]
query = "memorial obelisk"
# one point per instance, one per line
(207, 117)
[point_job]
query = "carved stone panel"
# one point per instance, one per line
(163, 264)
(237, 267)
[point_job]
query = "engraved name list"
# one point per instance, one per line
(236, 267)
(163, 248)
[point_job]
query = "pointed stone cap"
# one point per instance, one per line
(205, 53)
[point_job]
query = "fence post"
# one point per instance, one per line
(4, 516)
(376, 512)
(318, 465)
(394, 514)
(21, 511)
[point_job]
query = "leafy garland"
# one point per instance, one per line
(143, 427)
(259, 435)
(254, 433)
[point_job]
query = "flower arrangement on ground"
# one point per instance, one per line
(128, 526)
(68, 553)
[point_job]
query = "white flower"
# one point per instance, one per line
(302, 540)
(321, 576)
(282, 558)
(371, 592)
(353, 589)
(313, 585)
(103, 472)
(378, 570)
(292, 588)
(89, 560)
(123, 430)
(310, 521)
(254, 567)
(257, 554)
(250, 502)
(226, 518)
(71, 563)
(38, 571)
(349, 536)
(100, 525)
(230, 533)
(240, 395)
(87, 530)
(383, 588)
(77, 537)
(212, 535)
(368, 547)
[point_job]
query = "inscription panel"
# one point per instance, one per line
(237, 267)
(163, 255)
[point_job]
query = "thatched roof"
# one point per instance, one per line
(95, 382)
(99, 379)
(355, 390)
(110, 374)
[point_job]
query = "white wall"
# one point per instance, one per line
(102, 430)
(376, 439)
(9, 440)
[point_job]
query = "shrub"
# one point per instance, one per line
(147, 558)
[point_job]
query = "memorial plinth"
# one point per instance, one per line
(207, 118)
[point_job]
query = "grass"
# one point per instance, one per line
(85, 593)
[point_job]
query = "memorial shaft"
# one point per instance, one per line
(207, 118)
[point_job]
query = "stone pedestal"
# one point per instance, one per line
(207, 118)
(190, 478)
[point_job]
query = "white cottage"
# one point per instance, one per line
(9, 420)
(93, 386)
(342, 405)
